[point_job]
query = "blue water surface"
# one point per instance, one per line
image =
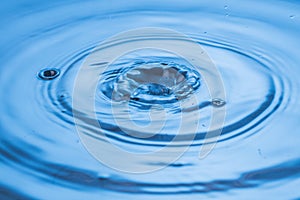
(254, 45)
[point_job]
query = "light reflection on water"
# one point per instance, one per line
(254, 45)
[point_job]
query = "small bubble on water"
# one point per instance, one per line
(49, 74)
(292, 16)
(218, 102)
(259, 151)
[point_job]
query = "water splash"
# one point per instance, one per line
(152, 82)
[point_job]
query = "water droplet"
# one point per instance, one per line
(49, 74)
(261, 154)
(259, 151)
(292, 16)
(218, 102)
(225, 7)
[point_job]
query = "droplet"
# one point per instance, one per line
(292, 16)
(259, 151)
(49, 74)
(218, 102)
(225, 7)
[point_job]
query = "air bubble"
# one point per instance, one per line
(49, 74)
(292, 16)
(218, 102)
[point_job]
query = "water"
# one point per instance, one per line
(254, 46)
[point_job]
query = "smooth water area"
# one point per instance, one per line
(253, 44)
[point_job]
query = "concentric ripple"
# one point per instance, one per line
(254, 46)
